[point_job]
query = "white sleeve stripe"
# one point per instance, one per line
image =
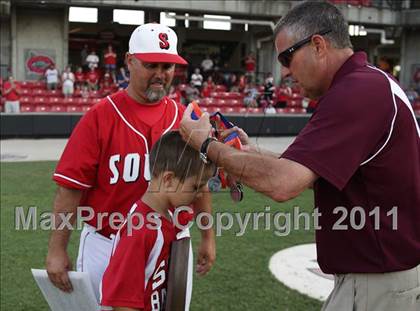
(396, 91)
(72, 180)
(174, 120)
(153, 257)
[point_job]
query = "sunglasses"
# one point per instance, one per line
(285, 57)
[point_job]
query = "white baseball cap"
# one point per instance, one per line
(155, 43)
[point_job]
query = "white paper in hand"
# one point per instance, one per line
(81, 298)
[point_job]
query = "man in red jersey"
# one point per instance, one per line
(105, 164)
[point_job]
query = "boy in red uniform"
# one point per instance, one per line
(136, 277)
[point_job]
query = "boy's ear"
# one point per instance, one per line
(168, 179)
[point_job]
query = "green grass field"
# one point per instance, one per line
(239, 280)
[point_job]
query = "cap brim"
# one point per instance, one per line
(161, 58)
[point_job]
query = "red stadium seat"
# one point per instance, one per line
(58, 108)
(219, 102)
(95, 94)
(42, 108)
(220, 88)
(212, 109)
(24, 84)
(26, 108)
(53, 93)
(226, 110)
(294, 103)
(39, 85)
(81, 101)
(26, 92)
(27, 100)
(280, 110)
(39, 100)
(39, 92)
(295, 110)
(255, 110)
(74, 108)
(94, 101)
(69, 101)
(86, 108)
(55, 101)
(241, 110)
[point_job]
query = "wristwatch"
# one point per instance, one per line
(204, 147)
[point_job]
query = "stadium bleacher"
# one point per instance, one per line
(36, 98)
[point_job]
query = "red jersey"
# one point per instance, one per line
(92, 76)
(80, 76)
(137, 273)
(13, 95)
(110, 58)
(250, 64)
(107, 153)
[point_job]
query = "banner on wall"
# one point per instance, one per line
(36, 62)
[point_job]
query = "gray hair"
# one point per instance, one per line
(311, 17)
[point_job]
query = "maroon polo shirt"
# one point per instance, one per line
(363, 143)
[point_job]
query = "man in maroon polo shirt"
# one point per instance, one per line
(360, 152)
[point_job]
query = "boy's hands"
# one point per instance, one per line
(206, 254)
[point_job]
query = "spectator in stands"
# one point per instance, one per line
(250, 65)
(92, 79)
(11, 92)
(207, 66)
(107, 77)
(51, 75)
(233, 83)
(208, 87)
(92, 60)
(175, 94)
(242, 83)
(284, 94)
(123, 78)
(191, 93)
(110, 60)
(269, 88)
(84, 93)
(80, 78)
(251, 96)
(68, 80)
(197, 79)
(83, 56)
(106, 88)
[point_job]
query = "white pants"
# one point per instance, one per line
(95, 250)
(12, 106)
(94, 253)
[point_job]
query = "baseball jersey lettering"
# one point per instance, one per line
(113, 160)
(131, 167)
(137, 273)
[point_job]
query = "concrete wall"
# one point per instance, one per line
(410, 55)
(41, 29)
(5, 47)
